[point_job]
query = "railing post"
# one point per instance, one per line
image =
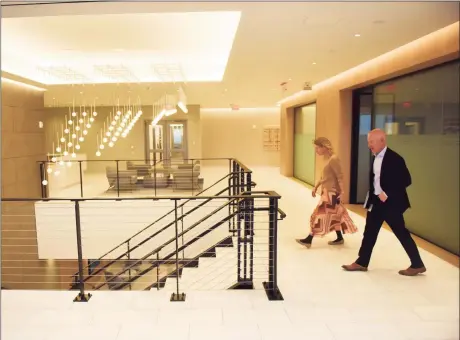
(81, 297)
(229, 193)
(271, 287)
(238, 179)
(248, 181)
(238, 222)
(158, 270)
(193, 179)
(155, 177)
(233, 207)
(250, 238)
(242, 251)
(230, 161)
(182, 229)
(129, 264)
(42, 179)
(242, 186)
(176, 297)
(81, 179)
(118, 180)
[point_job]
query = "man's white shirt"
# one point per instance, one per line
(378, 170)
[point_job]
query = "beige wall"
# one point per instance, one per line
(238, 134)
(130, 148)
(334, 96)
(23, 141)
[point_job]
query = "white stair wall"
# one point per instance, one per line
(106, 224)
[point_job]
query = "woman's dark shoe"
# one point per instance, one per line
(336, 242)
(306, 242)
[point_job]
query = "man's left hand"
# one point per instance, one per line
(383, 197)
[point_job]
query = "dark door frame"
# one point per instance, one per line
(356, 106)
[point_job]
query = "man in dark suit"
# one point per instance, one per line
(387, 201)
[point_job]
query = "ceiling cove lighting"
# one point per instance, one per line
(19, 83)
(383, 59)
(26, 44)
(242, 110)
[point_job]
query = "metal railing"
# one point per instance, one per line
(128, 178)
(238, 181)
(198, 251)
(225, 225)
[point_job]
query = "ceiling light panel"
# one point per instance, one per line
(116, 73)
(57, 50)
(61, 74)
(168, 73)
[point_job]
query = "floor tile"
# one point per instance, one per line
(430, 330)
(39, 333)
(309, 330)
(364, 330)
(438, 313)
(227, 332)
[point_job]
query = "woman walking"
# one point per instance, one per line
(330, 214)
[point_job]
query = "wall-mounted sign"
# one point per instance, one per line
(271, 138)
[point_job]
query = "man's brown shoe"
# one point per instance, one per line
(354, 267)
(412, 271)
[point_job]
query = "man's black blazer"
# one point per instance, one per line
(394, 179)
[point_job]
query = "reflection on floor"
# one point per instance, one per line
(429, 247)
(321, 300)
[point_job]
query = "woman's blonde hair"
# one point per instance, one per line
(324, 143)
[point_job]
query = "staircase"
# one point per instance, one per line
(177, 264)
(122, 271)
(214, 269)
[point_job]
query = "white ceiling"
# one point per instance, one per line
(119, 48)
(275, 42)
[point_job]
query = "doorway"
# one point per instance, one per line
(361, 157)
(166, 141)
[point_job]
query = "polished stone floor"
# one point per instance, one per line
(321, 300)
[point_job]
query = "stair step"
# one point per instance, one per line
(212, 273)
(170, 285)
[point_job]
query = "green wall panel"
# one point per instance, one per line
(304, 151)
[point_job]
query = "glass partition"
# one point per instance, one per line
(304, 151)
(420, 113)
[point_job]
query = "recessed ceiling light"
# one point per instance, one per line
(290, 79)
(357, 35)
(314, 63)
